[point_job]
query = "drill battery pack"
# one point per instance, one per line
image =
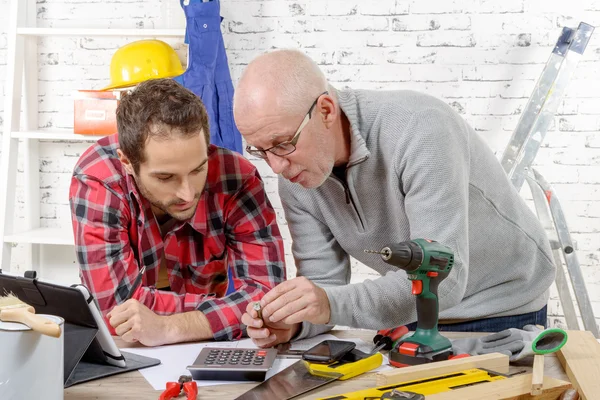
(407, 354)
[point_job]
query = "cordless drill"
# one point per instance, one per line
(427, 263)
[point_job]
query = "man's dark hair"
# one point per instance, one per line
(157, 109)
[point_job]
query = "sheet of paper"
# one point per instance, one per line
(175, 358)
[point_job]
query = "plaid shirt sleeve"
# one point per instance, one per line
(101, 218)
(255, 254)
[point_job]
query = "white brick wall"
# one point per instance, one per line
(481, 56)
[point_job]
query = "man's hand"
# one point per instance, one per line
(295, 301)
(267, 334)
(134, 322)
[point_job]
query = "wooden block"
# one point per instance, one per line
(580, 357)
(515, 388)
(496, 362)
(537, 378)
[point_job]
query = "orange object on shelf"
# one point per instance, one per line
(95, 112)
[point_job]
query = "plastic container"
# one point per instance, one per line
(31, 364)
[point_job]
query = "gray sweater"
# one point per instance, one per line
(417, 170)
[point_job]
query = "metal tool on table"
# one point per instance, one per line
(284, 350)
(400, 394)
(297, 354)
(304, 376)
(427, 263)
(174, 389)
(548, 341)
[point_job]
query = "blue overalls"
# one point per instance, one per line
(207, 74)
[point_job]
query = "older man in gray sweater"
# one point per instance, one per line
(361, 169)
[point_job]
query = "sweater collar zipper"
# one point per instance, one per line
(349, 199)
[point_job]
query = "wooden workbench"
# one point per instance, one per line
(132, 385)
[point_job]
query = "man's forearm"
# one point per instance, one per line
(187, 327)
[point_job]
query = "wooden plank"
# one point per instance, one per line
(580, 357)
(537, 378)
(496, 362)
(515, 388)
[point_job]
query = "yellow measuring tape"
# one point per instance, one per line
(435, 384)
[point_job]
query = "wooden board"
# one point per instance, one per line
(537, 379)
(496, 362)
(580, 357)
(516, 388)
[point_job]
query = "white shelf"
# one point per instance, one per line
(62, 236)
(57, 134)
(100, 32)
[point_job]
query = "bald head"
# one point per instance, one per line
(283, 80)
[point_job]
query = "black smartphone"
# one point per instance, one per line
(328, 351)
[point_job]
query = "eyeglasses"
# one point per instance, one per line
(288, 147)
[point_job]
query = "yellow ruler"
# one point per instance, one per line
(434, 384)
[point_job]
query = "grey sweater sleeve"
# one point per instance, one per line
(317, 254)
(432, 167)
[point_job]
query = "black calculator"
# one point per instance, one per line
(231, 364)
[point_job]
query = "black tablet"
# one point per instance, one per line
(90, 351)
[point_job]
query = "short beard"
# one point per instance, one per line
(183, 216)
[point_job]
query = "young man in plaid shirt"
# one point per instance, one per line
(159, 196)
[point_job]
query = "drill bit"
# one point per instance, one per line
(258, 309)
(385, 252)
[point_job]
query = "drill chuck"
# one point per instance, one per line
(406, 255)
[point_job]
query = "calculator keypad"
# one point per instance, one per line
(224, 359)
(235, 357)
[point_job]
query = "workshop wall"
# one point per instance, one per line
(482, 57)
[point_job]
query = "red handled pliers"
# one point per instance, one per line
(185, 383)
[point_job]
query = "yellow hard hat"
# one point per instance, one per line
(142, 60)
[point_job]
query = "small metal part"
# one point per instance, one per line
(398, 394)
(292, 354)
(258, 309)
(386, 252)
(523, 371)
(373, 252)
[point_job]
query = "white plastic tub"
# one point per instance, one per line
(31, 364)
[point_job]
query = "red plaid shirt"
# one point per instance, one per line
(234, 227)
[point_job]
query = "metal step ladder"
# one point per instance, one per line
(522, 150)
